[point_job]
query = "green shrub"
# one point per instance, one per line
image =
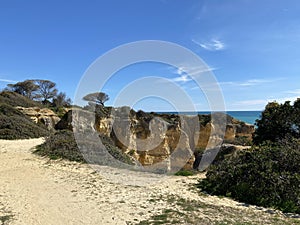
(15, 99)
(278, 121)
(62, 144)
(184, 173)
(115, 151)
(15, 125)
(239, 140)
(224, 152)
(268, 176)
(60, 111)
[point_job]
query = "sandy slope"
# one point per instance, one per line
(38, 191)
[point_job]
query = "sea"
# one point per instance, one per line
(246, 116)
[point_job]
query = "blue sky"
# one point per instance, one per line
(252, 47)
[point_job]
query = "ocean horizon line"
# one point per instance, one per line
(249, 117)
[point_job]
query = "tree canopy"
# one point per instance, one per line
(26, 88)
(97, 98)
(46, 90)
(278, 121)
(61, 100)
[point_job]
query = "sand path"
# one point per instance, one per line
(36, 190)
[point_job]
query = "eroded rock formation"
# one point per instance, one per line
(167, 142)
(38, 115)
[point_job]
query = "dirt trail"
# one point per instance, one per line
(36, 190)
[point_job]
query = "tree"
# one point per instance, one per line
(278, 121)
(97, 98)
(61, 100)
(26, 88)
(46, 90)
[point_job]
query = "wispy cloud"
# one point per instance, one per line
(255, 82)
(179, 70)
(291, 95)
(283, 99)
(186, 73)
(181, 78)
(212, 45)
(261, 103)
(7, 81)
(294, 92)
(190, 70)
(248, 83)
(254, 102)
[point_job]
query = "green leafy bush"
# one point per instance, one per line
(15, 125)
(62, 144)
(277, 122)
(15, 99)
(226, 151)
(184, 173)
(115, 151)
(268, 176)
(239, 140)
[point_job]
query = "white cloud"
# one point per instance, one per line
(295, 92)
(180, 71)
(261, 103)
(251, 104)
(198, 70)
(254, 102)
(7, 81)
(254, 82)
(284, 99)
(182, 78)
(212, 45)
(191, 70)
(186, 73)
(248, 83)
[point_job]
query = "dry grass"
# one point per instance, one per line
(184, 211)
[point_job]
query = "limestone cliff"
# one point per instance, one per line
(159, 141)
(41, 115)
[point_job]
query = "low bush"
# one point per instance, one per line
(239, 140)
(15, 99)
(15, 125)
(268, 176)
(114, 151)
(184, 173)
(62, 144)
(224, 152)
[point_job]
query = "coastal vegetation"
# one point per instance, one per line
(29, 93)
(14, 125)
(36, 92)
(62, 145)
(278, 122)
(268, 174)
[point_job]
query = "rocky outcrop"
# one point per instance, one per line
(226, 151)
(41, 115)
(237, 129)
(159, 142)
(65, 122)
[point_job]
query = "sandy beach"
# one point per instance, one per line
(36, 190)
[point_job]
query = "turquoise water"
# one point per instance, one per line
(245, 116)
